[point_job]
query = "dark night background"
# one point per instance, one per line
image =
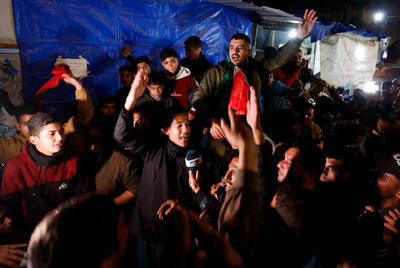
(356, 12)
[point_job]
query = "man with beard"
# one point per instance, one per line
(212, 98)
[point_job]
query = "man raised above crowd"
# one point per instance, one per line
(212, 98)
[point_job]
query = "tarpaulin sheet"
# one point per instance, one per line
(325, 27)
(98, 29)
(348, 58)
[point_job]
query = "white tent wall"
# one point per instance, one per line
(7, 30)
(348, 58)
(9, 81)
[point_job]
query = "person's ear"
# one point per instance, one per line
(34, 140)
(397, 195)
(18, 126)
(165, 130)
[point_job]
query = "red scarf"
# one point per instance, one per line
(58, 71)
(240, 93)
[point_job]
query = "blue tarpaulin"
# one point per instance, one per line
(325, 27)
(98, 29)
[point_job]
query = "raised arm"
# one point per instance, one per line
(126, 53)
(239, 211)
(290, 49)
(85, 110)
(124, 133)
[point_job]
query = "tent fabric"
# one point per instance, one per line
(264, 15)
(98, 29)
(325, 27)
(348, 58)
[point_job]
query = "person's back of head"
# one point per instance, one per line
(156, 78)
(312, 161)
(270, 52)
(312, 157)
(193, 41)
(81, 232)
(127, 68)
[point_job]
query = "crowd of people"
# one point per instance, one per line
(229, 165)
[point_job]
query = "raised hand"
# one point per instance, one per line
(391, 219)
(126, 51)
(166, 208)
(137, 89)
(238, 133)
(216, 130)
(194, 181)
(253, 114)
(309, 19)
(69, 79)
(11, 255)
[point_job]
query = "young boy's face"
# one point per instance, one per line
(50, 139)
(155, 90)
(144, 67)
(126, 78)
(179, 130)
(170, 64)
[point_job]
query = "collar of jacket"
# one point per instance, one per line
(43, 160)
(181, 73)
(174, 150)
(18, 135)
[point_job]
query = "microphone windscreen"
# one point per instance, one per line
(193, 160)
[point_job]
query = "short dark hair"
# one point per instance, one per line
(29, 108)
(168, 52)
(141, 59)
(312, 157)
(270, 52)
(104, 99)
(157, 78)
(169, 114)
(193, 41)
(39, 120)
(127, 68)
(241, 36)
(82, 229)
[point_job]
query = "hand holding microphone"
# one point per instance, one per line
(193, 161)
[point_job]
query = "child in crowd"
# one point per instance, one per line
(126, 75)
(180, 83)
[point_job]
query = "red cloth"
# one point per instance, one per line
(239, 94)
(58, 71)
(288, 80)
(182, 89)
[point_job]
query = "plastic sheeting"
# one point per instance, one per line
(325, 27)
(348, 58)
(98, 29)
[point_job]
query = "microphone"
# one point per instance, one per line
(193, 160)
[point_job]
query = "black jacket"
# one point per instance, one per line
(164, 177)
(197, 67)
